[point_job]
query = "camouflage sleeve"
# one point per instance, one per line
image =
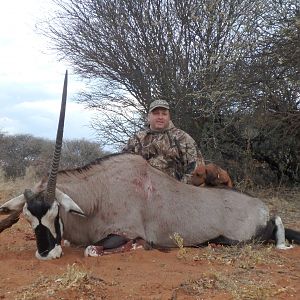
(191, 155)
(132, 145)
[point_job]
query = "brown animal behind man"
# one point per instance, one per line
(211, 175)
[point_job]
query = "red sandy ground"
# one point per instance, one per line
(200, 274)
(249, 272)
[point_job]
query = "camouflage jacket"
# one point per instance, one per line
(172, 151)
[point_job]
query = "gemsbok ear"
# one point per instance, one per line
(40, 186)
(68, 204)
(15, 204)
(29, 194)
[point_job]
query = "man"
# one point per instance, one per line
(164, 146)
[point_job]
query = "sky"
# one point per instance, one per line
(31, 77)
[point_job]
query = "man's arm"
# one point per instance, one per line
(190, 154)
(134, 144)
(130, 147)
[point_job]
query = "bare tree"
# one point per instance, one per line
(177, 50)
(18, 152)
(225, 66)
(77, 153)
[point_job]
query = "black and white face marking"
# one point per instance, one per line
(48, 228)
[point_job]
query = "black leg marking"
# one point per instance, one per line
(112, 241)
(267, 233)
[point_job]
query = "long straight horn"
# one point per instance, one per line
(50, 192)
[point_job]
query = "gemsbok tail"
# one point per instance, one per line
(292, 236)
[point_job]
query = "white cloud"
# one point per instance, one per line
(31, 81)
(40, 118)
(11, 126)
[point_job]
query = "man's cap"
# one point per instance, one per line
(159, 103)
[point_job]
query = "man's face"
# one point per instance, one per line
(159, 118)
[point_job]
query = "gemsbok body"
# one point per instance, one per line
(121, 195)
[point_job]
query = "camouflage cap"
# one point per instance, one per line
(159, 103)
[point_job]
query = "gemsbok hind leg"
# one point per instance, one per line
(280, 235)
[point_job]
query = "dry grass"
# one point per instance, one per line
(73, 279)
(238, 285)
(178, 240)
(11, 188)
(284, 202)
(244, 257)
(238, 271)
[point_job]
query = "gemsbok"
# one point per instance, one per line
(121, 198)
